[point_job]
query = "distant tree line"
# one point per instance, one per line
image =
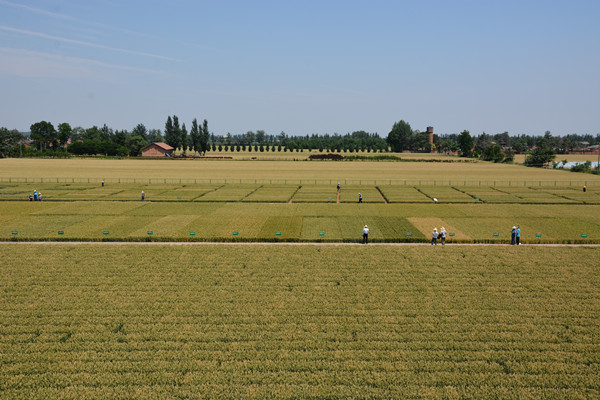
(45, 139)
(500, 147)
(260, 141)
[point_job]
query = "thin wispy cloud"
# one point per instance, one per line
(37, 10)
(86, 44)
(66, 17)
(68, 63)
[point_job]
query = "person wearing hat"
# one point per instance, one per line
(443, 235)
(518, 235)
(143, 196)
(360, 197)
(513, 235)
(434, 237)
(365, 235)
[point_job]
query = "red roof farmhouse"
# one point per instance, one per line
(158, 149)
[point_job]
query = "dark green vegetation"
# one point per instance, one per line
(324, 322)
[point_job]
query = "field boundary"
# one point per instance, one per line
(573, 183)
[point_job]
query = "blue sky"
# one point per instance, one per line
(303, 67)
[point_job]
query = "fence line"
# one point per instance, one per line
(282, 181)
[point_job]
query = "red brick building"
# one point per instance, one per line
(158, 149)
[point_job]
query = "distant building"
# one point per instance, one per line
(158, 149)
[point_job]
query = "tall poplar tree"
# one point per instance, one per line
(204, 136)
(195, 144)
(169, 136)
(184, 138)
(176, 132)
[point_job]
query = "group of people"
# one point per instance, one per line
(515, 235)
(438, 235)
(36, 196)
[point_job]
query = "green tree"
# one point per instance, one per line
(140, 130)
(184, 138)
(170, 138)
(135, 144)
(77, 133)
(121, 137)
(543, 154)
(10, 140)
(176, 133)
(260, 136)
(93, 134)
(107, 133)
(493, 153)
(155, 135)
(204, 137)
(43, 134)
(482, 143)
(465, 143)
(64, 133)
(400, 136)
(195, 137)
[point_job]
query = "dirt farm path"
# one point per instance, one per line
(285, 244)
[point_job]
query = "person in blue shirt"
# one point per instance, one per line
(518, 234)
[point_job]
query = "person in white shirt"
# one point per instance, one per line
(443, 235)
(434, 237)
(365, 235)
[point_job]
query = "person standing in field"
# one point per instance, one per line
(35, 194)
(39, 196)
(434, 237)
(365, 235)
(338, 187)
(584, 188)
(102, 182)
(518, 235)
(143, 195)
(443, 235)
(513, 235)
(360, 198)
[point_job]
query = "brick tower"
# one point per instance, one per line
(430, 133)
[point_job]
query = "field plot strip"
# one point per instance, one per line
(131, 220)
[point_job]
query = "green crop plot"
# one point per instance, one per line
(282, 322)
(272, 193)
(402, 194)
(349, 194)
(446, 194)
(316, 194)
(490, 195)
(230, 192)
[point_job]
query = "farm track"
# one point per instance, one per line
(298, 244)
